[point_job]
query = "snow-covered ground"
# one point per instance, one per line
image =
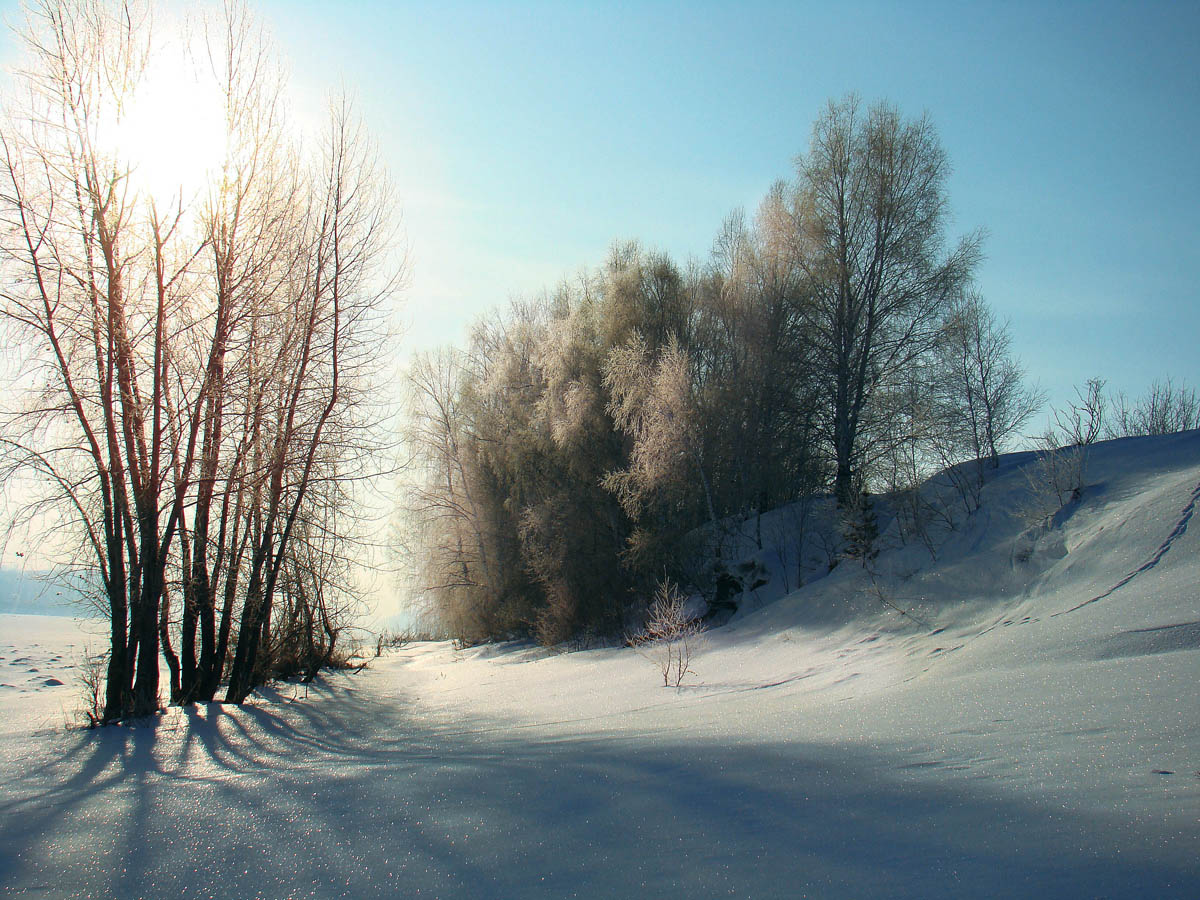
(41, 661)
(1031, 729)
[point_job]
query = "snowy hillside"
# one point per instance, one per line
(1030, 728)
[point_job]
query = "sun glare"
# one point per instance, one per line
(172, 132)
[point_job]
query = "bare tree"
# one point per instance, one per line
(868, 221)
(1060, 474)
(193, 357)
(1081, 421)
(97, 274)
(985, 383)
(459, 560)
(326, 338)
(249, 223)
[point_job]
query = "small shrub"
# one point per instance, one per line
(1056, 479)
(860, 529)
(1165, 409)
(392, 639)
(91, 682)
(399, 638)
(1060, 473)
(672, 634)
(1082, 421)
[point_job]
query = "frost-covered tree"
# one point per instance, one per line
(622, 425)
(653, 402)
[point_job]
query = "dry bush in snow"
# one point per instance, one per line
(1059, 475)
(90, 677)
(1056, 479)
(672, 634)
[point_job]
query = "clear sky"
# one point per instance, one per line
(525, 138)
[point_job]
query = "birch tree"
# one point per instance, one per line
(869, 221)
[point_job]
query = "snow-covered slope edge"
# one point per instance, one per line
(1002, 594)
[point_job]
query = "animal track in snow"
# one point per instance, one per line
(1176, 533)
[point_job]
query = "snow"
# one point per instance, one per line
(40, 660)
(1038, 735)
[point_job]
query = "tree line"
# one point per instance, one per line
(194, 394)
(197, 375)
(592, 443)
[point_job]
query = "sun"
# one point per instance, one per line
(171, 133)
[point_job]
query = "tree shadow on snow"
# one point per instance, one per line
(341, 795)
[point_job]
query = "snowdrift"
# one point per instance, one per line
(1029, 726)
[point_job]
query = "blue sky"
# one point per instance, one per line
(523, 139)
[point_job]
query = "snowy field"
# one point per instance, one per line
(1032, 729)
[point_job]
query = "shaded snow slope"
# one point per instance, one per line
(1031, 729)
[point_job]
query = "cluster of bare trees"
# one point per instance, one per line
(597, 441)
(1166, 408)
(196, 368)
(1060, 474)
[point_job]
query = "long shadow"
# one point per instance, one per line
(344, 796)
